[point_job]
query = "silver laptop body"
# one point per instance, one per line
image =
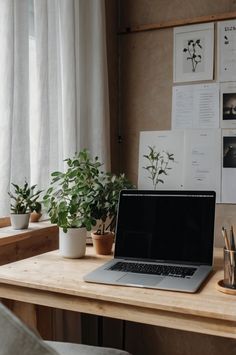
(164, 240)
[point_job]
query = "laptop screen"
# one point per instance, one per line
(166, 226)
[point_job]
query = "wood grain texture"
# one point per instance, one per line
(52, 281)
(145, 104)
(16, 245)
(5, 222)
(146, 78)
(176, 23)
(143, 339)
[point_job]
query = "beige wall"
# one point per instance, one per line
(144, 103)
(145, 79)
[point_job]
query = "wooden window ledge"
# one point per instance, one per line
(39, 238)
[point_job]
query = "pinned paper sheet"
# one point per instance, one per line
(163, 142)
(228, 105)
(196, 165)
(195, 106)
(227, 50)
(202, 169)
(229, 166)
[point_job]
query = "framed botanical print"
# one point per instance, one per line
(193, 52)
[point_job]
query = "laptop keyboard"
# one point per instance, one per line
(153, 269)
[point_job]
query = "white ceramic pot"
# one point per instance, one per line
(73, 243)
(20, 221)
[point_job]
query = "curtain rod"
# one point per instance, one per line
(176, 23)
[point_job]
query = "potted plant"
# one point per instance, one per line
(104, 209)
(68, 202)
(36, 211)
(23, 198)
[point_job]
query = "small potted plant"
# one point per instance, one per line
(68, 202)
(22, 200)
(104, 209)
(36, 211)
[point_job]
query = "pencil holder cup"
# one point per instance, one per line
(229, 268)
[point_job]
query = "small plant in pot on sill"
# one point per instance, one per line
(36, 211)
(104, 210)
(22, 200)
(68, 202)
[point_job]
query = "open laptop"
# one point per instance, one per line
(164, 240)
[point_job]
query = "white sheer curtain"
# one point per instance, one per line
(64, 106)
(14, 96)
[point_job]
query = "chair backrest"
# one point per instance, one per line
(16, 338)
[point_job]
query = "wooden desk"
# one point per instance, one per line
(51, 280)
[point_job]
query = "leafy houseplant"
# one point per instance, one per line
(23, 199)
(158, 165)
(104, 209)
(69, 198)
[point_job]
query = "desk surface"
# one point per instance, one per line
(51, 280)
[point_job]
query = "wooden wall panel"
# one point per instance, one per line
(146, 78)
(139, 12)
(144, 101)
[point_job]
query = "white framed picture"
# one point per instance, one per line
(193, 53)
(226, 50)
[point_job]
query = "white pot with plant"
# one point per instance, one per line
(22, 200)
(104, 210)
(68, 202)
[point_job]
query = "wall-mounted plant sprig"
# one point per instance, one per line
(158, 165)
(194, 52)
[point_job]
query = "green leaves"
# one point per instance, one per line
(158, 164)
(105, 201)
(25, 199)
(69, 196)
(83, 193)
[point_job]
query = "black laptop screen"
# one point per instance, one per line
(169, 226)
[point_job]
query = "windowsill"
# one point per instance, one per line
(39, 238)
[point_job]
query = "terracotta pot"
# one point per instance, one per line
(103, 243)
(35, 216)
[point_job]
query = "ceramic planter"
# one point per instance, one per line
(20, 221)
(103, 243)
(73, 243)
(35, 216)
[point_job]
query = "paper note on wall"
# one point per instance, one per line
(171, 172)
(195, 106)
(227, 50)
(202, 168)
(228, 105)
(196, 165)
(228, 166)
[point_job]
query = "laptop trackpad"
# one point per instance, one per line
(139, 280)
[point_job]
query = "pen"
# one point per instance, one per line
(232, 241)
(224, 233)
